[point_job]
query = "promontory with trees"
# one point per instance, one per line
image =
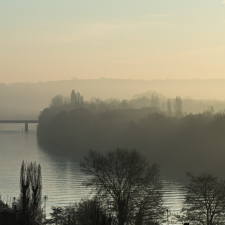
(158, 127)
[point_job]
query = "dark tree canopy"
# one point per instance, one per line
(128, 182)
(72, 129)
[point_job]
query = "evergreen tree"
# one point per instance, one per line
(155, 101)
(178, 107)
(169, 108)
(73, 97)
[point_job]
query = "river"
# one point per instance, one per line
(61, 177)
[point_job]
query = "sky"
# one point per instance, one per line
(127, 39)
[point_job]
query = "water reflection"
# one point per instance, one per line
(62, 179)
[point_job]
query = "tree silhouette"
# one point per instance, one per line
(205, 200)
(30, 193)
(58, 100)
(73, 98)
(126, 179)
(76, 98)
(169, 108)
(36, 189)
(24, 192)
(154, 101)
(178, 107)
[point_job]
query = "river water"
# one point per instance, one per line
(61, 177)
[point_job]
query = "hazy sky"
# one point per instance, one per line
(138, 39)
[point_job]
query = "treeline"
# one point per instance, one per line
(71, 123)
(25, 100)
(179, 143)
(170, 107)
(176, 106)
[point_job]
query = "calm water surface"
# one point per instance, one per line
(61, 177)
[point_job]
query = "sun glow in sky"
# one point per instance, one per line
(137, 39)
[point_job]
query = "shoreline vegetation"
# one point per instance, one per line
(157, 127)
(127, 190)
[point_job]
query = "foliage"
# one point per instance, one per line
(131, 186)
(205, 200)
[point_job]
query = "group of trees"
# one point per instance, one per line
(167, 140)
(26, 210)
(134, 190)
(176, 106)
(86, 212)
(128, 190)
(129, 184)
(177, 109)
(173, 108)
(74, 100)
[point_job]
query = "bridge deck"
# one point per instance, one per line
(26, 122)
(18, 121)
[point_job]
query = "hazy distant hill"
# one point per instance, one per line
(26, 100)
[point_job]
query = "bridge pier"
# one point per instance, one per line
(26, 126)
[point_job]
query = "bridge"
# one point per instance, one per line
(26, 122)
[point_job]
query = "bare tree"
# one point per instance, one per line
(125, 178)
(205, 200)
(36, 190)
(30, 196)
(24, 192)
(148, 206)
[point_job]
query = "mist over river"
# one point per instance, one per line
(61, 176)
